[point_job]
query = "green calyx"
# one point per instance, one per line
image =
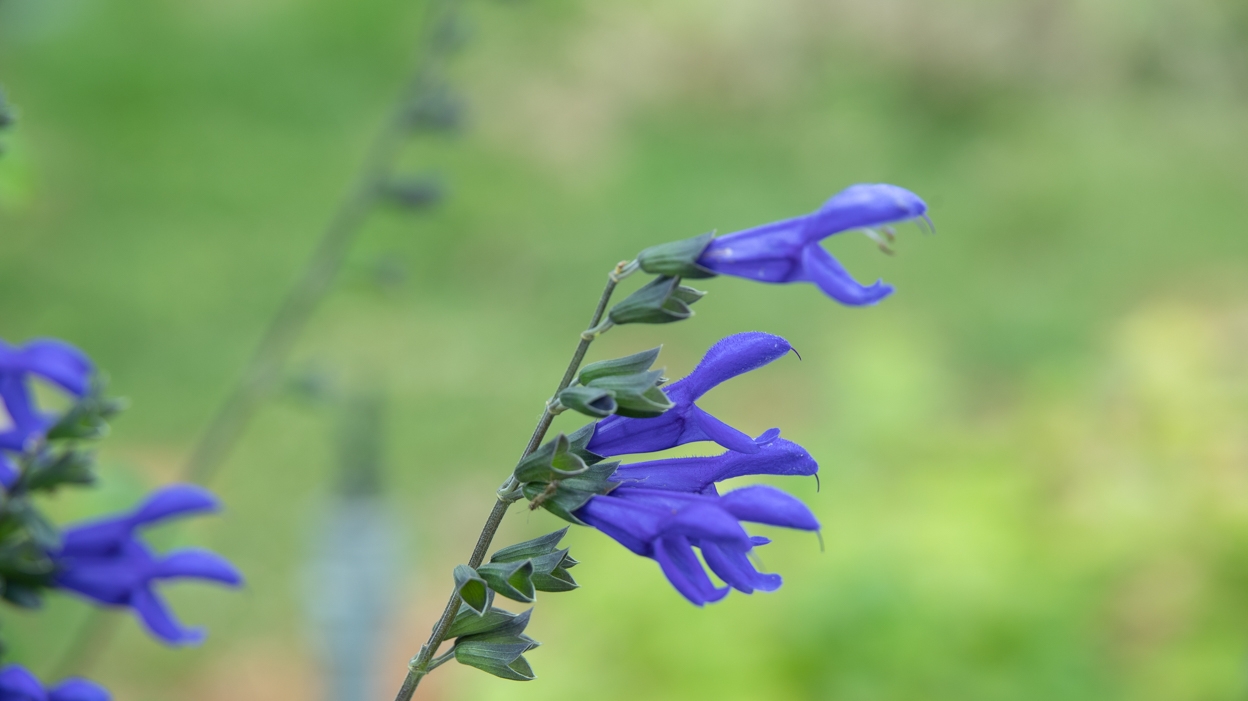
(555, 459)
(493, 642)
(473, 589)
(677, 258)
(550, 564)
(624, 386)
(562, 497)
(661, 301)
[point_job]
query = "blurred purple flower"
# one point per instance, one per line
(789, 250)
(686, 422)
(666, 525)
(21, 421)
(105, 561)
(18, 684)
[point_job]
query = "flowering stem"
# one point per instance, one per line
(424, 662)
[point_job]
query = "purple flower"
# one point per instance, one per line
(105, 561)
(18, 684)
(686, 422)
(789, 250)
(667, 525)
(698, 475)
(663, 509)
(21, 421)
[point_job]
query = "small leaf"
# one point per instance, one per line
(50, 470)
(41, 532)
(473, 590)
(543, 545)
(22, 596)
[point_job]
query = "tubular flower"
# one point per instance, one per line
(686, 422)
(18, 684)
(667, 525)
(105, 561)
(698, 475)
(21, 422)
(789, 250)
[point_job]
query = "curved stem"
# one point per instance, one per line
(264, 368)
(423, 662)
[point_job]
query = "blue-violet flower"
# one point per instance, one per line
(18, 684)
(789, 250)
(21, 421)
(666, 525)
(106, 562)
(686, 422)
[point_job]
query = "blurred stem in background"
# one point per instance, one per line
(424, 661)
(350, 576)
(425, 104)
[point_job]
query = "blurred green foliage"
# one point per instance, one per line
(1033, 456)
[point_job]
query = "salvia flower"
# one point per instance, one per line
(698, 475)
(106, 562)
(686, 422)
(667, 525)
(18, 684)
(789, 250)
(663, 509)
(21, 422)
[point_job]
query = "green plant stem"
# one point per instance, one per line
(264, 369)
(311, 288)
(423, 662)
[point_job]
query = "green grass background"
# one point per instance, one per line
(1034, 456)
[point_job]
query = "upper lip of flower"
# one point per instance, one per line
(686, 422)
(789, 250)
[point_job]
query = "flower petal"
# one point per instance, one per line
(631, 524)
(620, 435)
(861, 206)
(160, 621)
(777, 457)
(730, 357)
(175, 500)
(8, 472)
(197, 564)
(763, 504)
(702, 426)
(683, 569)
(57, 362)
(18, 684)
(78, 690)
(819, 267)
(735, 568)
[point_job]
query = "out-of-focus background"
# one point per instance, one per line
(1034, 456)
